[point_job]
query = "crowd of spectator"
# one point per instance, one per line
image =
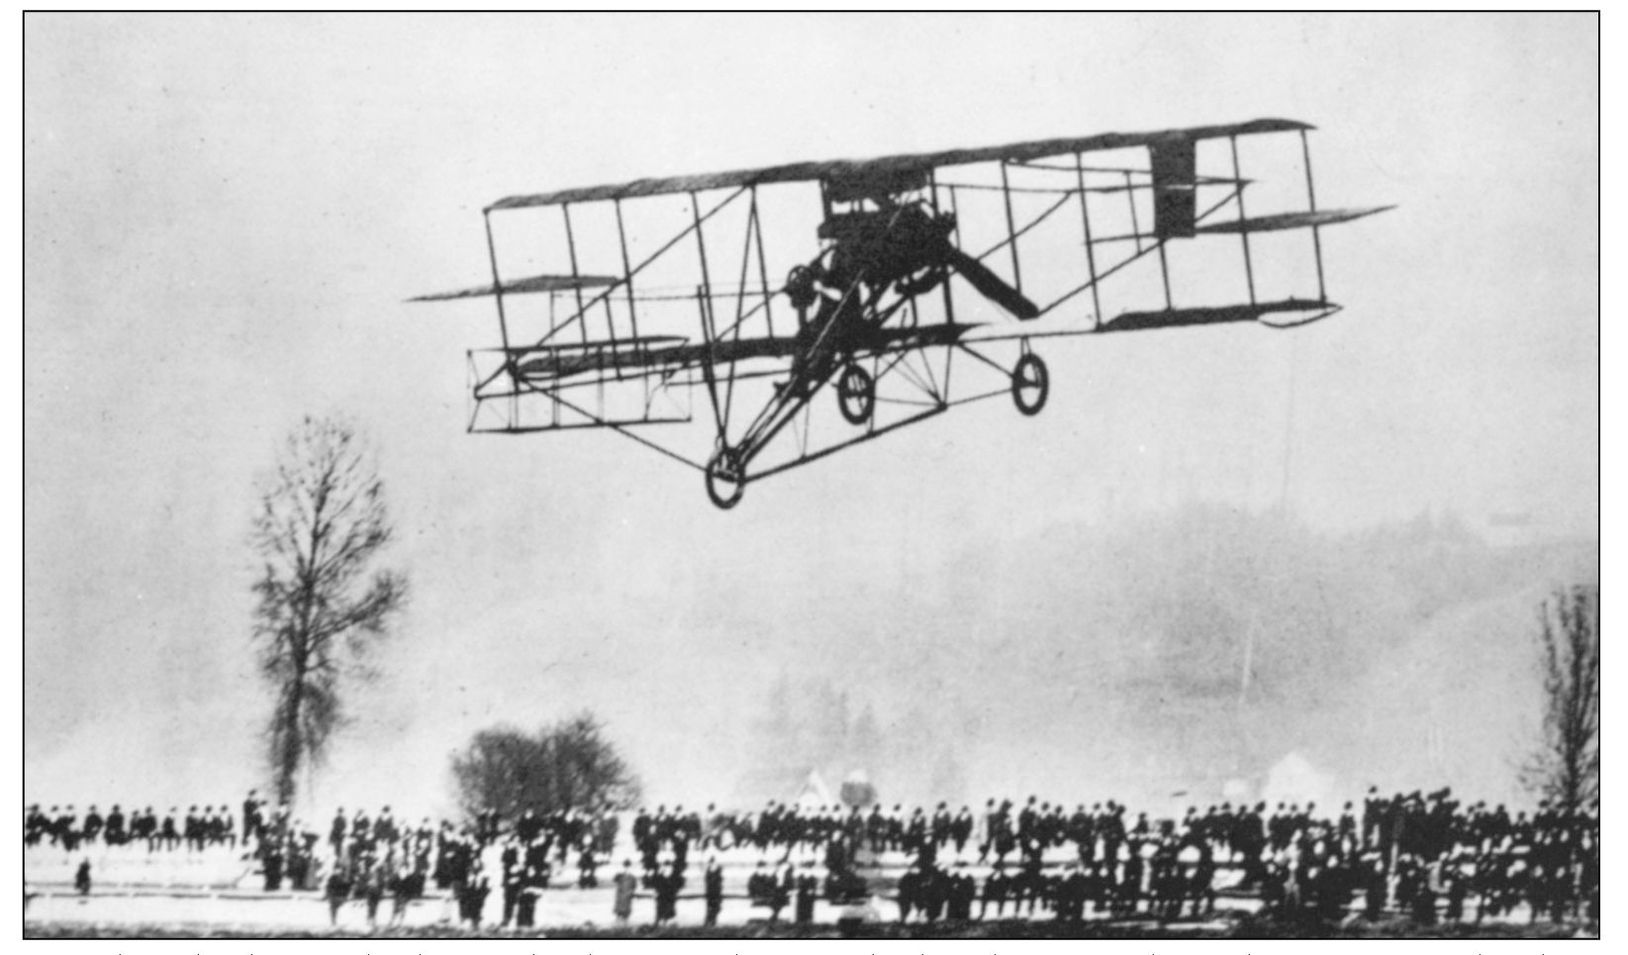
(1427, 856)
(62, 826)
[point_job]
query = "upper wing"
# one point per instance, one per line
(902, 171)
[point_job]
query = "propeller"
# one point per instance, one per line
(990, 285)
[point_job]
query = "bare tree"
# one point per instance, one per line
(321, 610)
(503, 770)
(570, 765)
(1566, 766)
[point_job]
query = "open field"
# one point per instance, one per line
(57, 912)
(1244, 928)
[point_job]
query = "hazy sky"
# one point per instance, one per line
(223, 216)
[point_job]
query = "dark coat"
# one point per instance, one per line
(667, 886)
(808, 888)
(715, 885)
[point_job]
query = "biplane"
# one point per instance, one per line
(909, 284)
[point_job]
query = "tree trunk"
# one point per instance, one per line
(289, 759)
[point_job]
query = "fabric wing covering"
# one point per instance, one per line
(900, 166)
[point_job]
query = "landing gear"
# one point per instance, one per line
(856, 394)
(1030, 384)
(726, 478)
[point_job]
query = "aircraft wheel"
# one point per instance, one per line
(725, 481)
(1030, 384)
(856, 394)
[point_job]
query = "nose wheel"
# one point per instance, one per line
(856, 394)
(726, 478)
(1031, 383)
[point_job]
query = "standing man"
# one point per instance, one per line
(1028, 821)
(115, 826)
(716, 823)
(909, 887)
(227, 834)
(271, 863)
(405, 885)
(1001, 838)
(336, 834)
(144, 826)
(1345, 833)
(587, 867)
(192, 830)
(994, 891)
(251, 817)
(915, 832)
(385, 829)
(605, 833)
(876, 829)
(681, 851)
(715, 890)
(67, 829)
(335, 892)
(666, 884)
(527, 827)
(361, 833)
(807, 887)
(644, 835)
(33, 826)
(935, 892)
(93, 825)
(525, 915)
(373, 885)
(167, 833)
(281, 821)
(510, 861)
(474, 894)
(961, 830)
(939, 829)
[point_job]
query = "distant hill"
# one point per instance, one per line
(1176, 653)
